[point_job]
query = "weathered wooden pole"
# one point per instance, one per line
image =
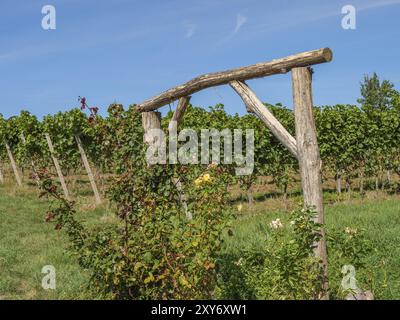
(254, 105)
(178, 114)
(259, 70)
(33, 167)
(309, 156)
(57, 165)
(13, 164)
(173, 131)
(150, 120)
(88, 169)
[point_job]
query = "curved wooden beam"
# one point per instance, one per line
(258, 70)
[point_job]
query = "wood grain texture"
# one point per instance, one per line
(178, 114)
(309, 156)
(259, 70)
(254, 105)
(150, 120)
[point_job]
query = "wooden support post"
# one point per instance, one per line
(34, 171)
(13, 165)
(309, 156)
(1, 176)
(178, 114)
(57, 165)
(254, 105)
(150, 120)
(172, 129)
(88, 169)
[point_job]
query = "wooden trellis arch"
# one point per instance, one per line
(304, 146)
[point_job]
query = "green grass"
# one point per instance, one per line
(27, 243)
(381, 221)
(379, 218)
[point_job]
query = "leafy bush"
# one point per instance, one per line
(155, 251)
(285, 267)
(348, 247)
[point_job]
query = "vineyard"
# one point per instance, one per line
(152, 248)
(357, 147)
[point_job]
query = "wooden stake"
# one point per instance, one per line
(1, 176)
(13, 165)
(150, 120)
(254, 105)
(58, 168)
(309, 156)
(156, 152)
(88, 169)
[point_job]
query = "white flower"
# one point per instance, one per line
(350, 231)
(292, 223)
(239, 262)
(276, 224)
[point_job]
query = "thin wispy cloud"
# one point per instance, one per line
(190, 29)
(240, 21)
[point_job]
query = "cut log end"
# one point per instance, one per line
(327, 54)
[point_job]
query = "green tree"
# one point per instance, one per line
(377, 100)
(376, 95)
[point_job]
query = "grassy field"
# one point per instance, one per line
(380, 218)
(27, 243)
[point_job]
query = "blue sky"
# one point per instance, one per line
(128, 50)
